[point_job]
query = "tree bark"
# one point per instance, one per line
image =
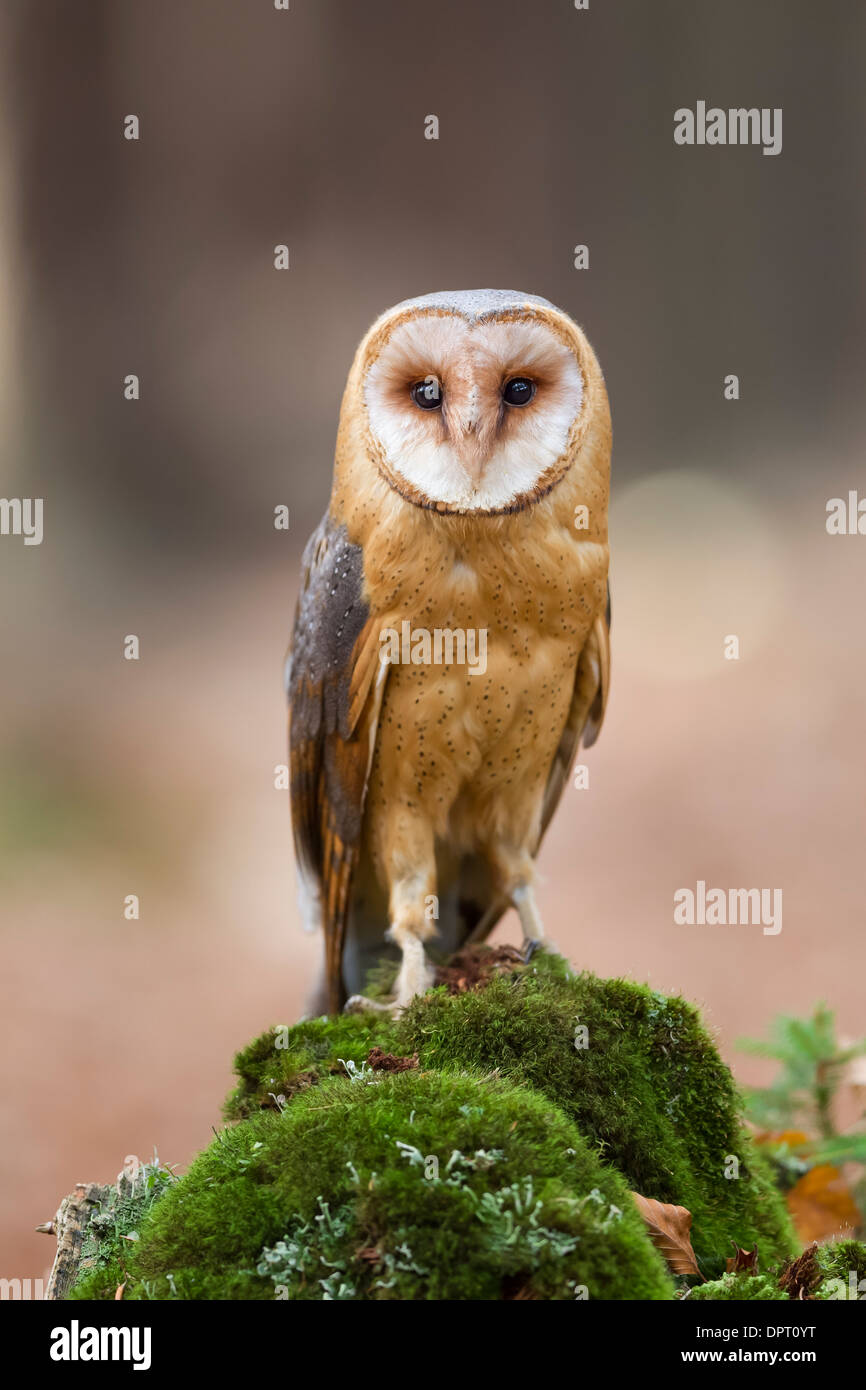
(70, 1225)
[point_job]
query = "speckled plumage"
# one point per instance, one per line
(419, 782)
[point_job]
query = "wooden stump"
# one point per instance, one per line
(69, 1226)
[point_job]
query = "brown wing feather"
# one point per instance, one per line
(588, 704)
(335, 683)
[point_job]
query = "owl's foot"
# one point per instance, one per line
(416, 975)
(523, 898)
(359, 1003)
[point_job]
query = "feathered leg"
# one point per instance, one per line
(410, 868)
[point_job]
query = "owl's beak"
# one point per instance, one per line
(470, 448)
(471, 428)
(472, 459)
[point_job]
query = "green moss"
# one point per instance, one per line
(410, 1186)
(841, 1265)
(582, 1088)
(101, 1283)
(649, 1088)
(277, 1065)
(740, 1287)
(113, 1229)
(836, 1260)
(843, 1269)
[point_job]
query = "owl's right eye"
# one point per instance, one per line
(427, 394)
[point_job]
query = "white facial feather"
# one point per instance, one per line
(475, 454)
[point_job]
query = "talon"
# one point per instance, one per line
(528, 949)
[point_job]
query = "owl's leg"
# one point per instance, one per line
(523, 898)
(410, 869)
(516, 869)
(409, 929)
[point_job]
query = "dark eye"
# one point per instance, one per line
(518, 391)
(427, 393)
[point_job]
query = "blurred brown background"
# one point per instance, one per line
(156, 777)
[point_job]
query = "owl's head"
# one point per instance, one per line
(476, 400)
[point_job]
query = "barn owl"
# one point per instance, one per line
(451, 642)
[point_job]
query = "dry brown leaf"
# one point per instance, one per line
(821, 1204)
(800, 1276)
(745, 1261)
(670, 1232)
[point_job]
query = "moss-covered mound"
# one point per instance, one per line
(635, 1070)
(410, 1185)
(480, 1147)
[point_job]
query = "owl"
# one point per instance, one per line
(451, 641)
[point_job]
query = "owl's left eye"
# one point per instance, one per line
(427, 393)
(518, 391)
